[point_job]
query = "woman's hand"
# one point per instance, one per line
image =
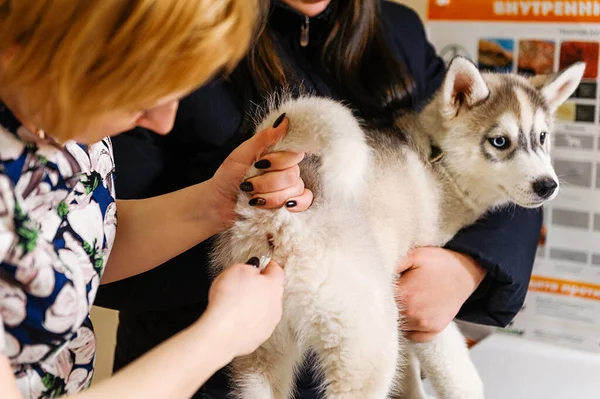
(434, 285)
(246, 305)
(279, 185)
(154, 230)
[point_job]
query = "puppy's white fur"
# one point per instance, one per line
(377, 195)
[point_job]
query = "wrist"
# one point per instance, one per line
(475, 270)
(205, 210)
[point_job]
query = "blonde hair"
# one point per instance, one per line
(72, 61)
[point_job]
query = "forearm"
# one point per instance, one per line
(154, 230)
(175, 369)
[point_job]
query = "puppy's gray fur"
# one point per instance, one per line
(377, 195)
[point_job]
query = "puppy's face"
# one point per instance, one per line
(515, 152)
(498, 128)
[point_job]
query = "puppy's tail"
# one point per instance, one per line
(327, 129)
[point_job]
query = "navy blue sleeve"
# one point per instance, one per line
(505, 241)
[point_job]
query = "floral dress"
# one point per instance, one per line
(58, 223)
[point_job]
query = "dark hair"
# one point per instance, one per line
(355, 53)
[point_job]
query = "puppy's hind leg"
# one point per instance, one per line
(268, 372)
(410, 382)
(359, 359)
(447, 364)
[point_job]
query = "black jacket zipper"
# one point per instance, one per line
(304, 32)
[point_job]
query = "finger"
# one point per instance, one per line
(277, 199)
(410, 305)
(420, 337)
(250, 150)
(301, 203)
(272, 182)
(279, 160)
(274, 271)
(406, 263)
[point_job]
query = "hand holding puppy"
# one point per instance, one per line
(279, 185)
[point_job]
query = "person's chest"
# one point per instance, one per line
(210, 118)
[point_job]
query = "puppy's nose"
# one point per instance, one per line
(544, 187)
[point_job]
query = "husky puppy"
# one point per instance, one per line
(481, 143)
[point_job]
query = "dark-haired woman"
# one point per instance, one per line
(374, 55)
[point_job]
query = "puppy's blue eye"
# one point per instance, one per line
(542, 138)
(500, 142)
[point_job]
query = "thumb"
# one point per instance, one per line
(406, 263)
(273, 270)
(250, 150)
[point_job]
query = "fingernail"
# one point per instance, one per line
(253, 261)
(246, 186)
(279, 120)
(256, 201)
(291, 204)
(263, 164)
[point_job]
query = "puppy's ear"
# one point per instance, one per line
(463, 87)
(558, 88)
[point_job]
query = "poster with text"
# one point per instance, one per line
(541, 37)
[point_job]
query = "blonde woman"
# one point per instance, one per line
(73, 73)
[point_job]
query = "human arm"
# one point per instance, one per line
(435, 283)
(461, 279)
(148, 165)
(242, 297)
(153, 230)
(505, 245)
(196, 351)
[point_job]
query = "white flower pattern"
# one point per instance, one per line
(32, 353)
(7, 211)
(13, 347)
(57, 227)
(12, 304)
(62, 315)
(78, 379)
(84, 346)
(30, 384)
(36, 269)
(110, 228)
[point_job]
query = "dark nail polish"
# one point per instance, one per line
(246, 186)
(253, 261)
(279, 120)
(291, 204)
(263, 164)
(257, 201)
